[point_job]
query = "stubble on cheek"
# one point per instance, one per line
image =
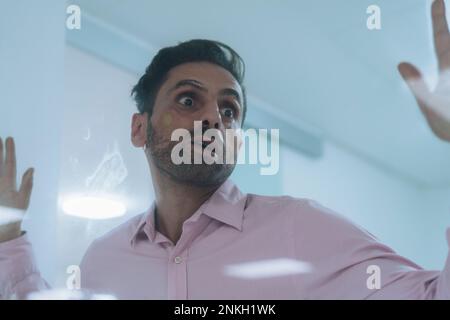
(160, 147)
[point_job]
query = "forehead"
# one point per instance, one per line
(212, 76)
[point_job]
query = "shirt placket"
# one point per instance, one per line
(177, 276)
(178, 259)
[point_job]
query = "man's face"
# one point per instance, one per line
(197, 91)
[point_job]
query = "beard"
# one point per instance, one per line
(197, 175)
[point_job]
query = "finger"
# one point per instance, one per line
(1, 156)
(10, 162)
(441, 34)
(25, 187)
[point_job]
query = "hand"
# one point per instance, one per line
(10, 197)
(435, 105)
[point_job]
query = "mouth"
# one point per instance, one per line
(203, 143)
(200, 146)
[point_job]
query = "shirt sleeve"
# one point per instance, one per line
(350, 263)
(19, 274)
(404, 280)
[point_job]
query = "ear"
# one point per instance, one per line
(139, 125)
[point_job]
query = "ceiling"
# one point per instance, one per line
(316, 62)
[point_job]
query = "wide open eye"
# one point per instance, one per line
(186, 101)
(228, 112)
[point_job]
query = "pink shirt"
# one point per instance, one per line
(239, 246)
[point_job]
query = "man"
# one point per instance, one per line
(202, 235)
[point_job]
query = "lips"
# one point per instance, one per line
(203, 143)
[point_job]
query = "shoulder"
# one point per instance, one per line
(308, 217)
(116, 239)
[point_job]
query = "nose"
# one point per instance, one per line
(211, 119)
(206, 125)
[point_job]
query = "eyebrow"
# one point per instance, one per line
(231, 92)
(199, 85)
(188, 82)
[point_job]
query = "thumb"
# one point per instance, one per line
(26, 186)
(415, 82)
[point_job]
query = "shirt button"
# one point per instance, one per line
(178, 260)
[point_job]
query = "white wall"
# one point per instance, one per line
(31, 102)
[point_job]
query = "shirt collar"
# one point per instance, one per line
(226, 205)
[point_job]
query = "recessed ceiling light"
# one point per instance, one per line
(93, 207)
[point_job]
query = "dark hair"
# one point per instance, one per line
(197, 50)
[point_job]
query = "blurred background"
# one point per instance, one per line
(351, 134)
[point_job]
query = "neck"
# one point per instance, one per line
(175, 203)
